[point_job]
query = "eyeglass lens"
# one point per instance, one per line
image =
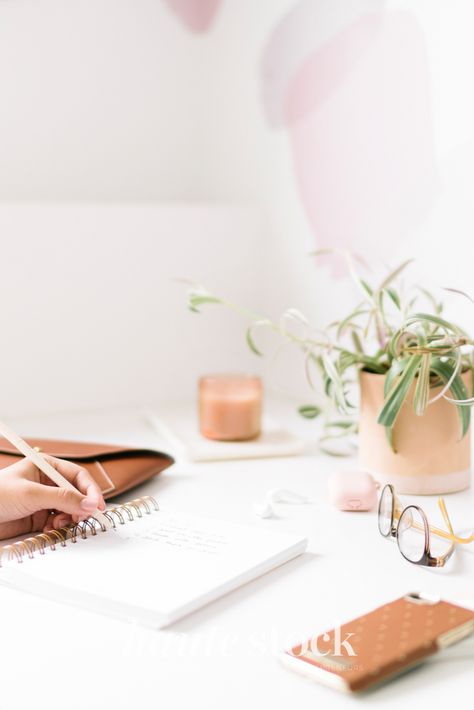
(385, 517)
(411, 534)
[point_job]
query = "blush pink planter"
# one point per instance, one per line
(430, 458)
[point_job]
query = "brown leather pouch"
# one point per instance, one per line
(116, 469)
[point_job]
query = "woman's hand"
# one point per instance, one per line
(30, 502)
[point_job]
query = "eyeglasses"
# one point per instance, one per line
(418, 541)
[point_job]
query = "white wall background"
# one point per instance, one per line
(91, 315)
(115, 101)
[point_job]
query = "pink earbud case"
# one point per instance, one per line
(352, 490)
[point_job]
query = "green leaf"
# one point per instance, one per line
(460, 293)
(249, 336)
(422, 390)
(196, 300)
(400, 340)
(423, 317)
(393, 275)
(347, 359)
(389, 435)
(322, 252)
(398, 393)
(461, 402)
(343, 324)
(394, 297)
(292, 315)
(327, 384)
(309, 411)
(341, 424)
(366, 287)
(368, 324)
(337, 433)
(395, 371)
(357, 342)
(334, 385)
(363, 285)
(459, 390)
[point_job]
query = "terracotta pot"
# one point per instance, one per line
(431, 458)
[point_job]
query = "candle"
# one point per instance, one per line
(230, 407)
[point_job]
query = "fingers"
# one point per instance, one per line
(13, 528)
(80, 478)
(41, 497)
(60, 520)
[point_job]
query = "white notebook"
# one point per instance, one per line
(153, 567)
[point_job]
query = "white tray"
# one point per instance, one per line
(183, 439)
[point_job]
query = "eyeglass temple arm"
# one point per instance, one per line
(444, 558)
(449, 535)
(437, 531)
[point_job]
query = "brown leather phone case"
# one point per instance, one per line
(116, 469)
(384, 642)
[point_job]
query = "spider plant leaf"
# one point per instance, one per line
(437, 320)
(249, 335)
(461, 402)
(309, 411)
(395, 370)
(422, 389)
(357, 342)
(345, 360)
(398, 393)
(380, 328)
(330, 442)
(398, 339)
(195, 300)
(341, 424)
(333, 436)
(460, 293)
(366, 287)
(470, 366)
(389, 435)
(368, 324)
(348, 321)
(294, 315)
(444, 370)
(394, 297)
(327, 384)
(369, 365)
(335, 385)
(394, 274)
(322, 252)
(348, 359)
(360, 282)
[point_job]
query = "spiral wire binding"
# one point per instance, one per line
(120, 514)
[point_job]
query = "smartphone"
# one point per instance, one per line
(380, 645)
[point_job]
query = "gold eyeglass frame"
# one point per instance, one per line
(427, 559)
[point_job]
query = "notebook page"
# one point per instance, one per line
(164, 561)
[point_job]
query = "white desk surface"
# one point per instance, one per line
(223, 656)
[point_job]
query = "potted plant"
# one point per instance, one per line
(414, 376)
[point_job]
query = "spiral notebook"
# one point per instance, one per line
(151, 566)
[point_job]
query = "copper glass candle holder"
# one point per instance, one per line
(230, 407)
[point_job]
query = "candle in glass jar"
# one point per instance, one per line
(230, 407)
